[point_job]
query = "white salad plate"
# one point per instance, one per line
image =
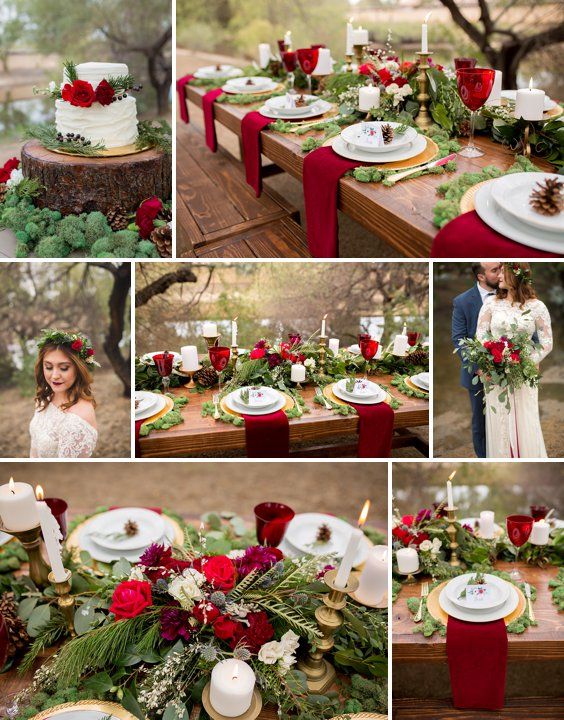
(210, 72)
(512, 193)
(403, 153)
(302, 533)
(104, 527)
(159, 404)
(482, 616)
(318, 108)
(361, 137)
(259, 397)
(76, 712)
(232, 404)
(380, 397)
(148, 357)
(4, 538)
(497, 592)
(496, 217)
(364, 389)
(511, 95)
(146, 401)
(421, 380)
(279, 104)
(241, 85)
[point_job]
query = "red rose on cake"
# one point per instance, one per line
(105, 93)
(79, 94)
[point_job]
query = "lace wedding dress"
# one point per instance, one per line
(59, 434)
(515, 432)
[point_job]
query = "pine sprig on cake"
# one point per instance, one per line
(70, 70)
(123, 82)
(49, 137)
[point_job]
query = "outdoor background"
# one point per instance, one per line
(236, 487)
(505, 488)
(453, 437)
(90, 297)
(273, 299)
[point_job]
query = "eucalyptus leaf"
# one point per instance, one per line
(25, 608)
(99, 683)
(121, 568)
(129, 702)
(39, 617)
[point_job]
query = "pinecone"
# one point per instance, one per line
(162, 237)
(323, 533)
(547, 198)
(131, 528)
(165, 214)
(18, 639)
(464, 128)
(3, 191)
(206, 377)
(419, 356)
(387, 133)
(117, 219)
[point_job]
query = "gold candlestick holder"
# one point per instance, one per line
(322, 352)
(251, 714)
(189, 374)
(31, 542)
(526, 143)
(423, 119)
(319, 672)
(451, 530)
(348, 66)
(235, 352)
(358, 54)
(65, 599)
(211, 340)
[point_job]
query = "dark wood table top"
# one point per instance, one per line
(544, 641)
(402, 215)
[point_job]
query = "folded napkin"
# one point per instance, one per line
(375, 429)
(323, 169)
(182, 100)
(468, 235)
(138, 424)
(267, 435)
(477, 661)
(251, 127)
(209, 124)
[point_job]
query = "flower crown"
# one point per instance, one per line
(80, 344)
(524, 274)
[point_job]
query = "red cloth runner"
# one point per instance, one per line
(375, 429)
(467, 235)
(251, 127)
(138, 424)
(182, 100)
(323, 169)
(209, 124)
(267, 435)
(477, 661)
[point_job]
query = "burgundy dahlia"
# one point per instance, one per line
(257, 558)
(274, 359)
(424, 514)
(174, 624)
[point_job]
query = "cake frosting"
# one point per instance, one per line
(113, 125)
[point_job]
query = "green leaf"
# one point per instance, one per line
(99, 683)
(26, 607)
(213, 520)
(39, 617)
(171, 713)
(121, 568)
(297, 681)
(129, 702)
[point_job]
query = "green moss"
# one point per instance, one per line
(53, 246)
(96, 227)
(71, 231)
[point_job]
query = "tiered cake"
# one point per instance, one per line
(95, 109)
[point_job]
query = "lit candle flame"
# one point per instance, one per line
(364, 514)
(453, 473)
(39, 492)
(235, 319)
(325, 316)
(427, 16)
(236, 671)
(531, 84)
(351, 20)
(12, 486)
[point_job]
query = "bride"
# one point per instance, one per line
(64, 423)
(515, 432)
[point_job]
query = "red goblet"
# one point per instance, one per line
(219, 357)
(59, 508)
(519, 528)
(281, 45)
(308, 57)
(464, 63)
(272, 520)
(368, 348)
(413, 338)
(474, 88)
(163, 363)
(539, 512)
(290, 60)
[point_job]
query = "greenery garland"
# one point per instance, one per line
(557, 585)
(155, 135)
(247, 98)
(399, 382)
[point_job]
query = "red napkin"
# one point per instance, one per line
(267, 435)
(251, 127)
(182, 101)
(209, 125)
(138, 424)
(468, 235)
(323, 169)
(477, 661)
(376, 426)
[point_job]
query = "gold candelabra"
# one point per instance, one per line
(348, 59)
(190, 374)
(212, 340)
(31, 542)
(451, 530)
(358, 54)
(65, 599)
(319, 672)
(322, 352)
(423, 119)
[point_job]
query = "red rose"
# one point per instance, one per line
(130, 598)
(77, 345)
(257, 353)
(205, 613)
(253, 637)
(80, 93)
(105, 93)
(406, 66)
(401, 534)
(90, 352)
(516, 356)
(219, 572)
(418, 539)
(385, 76)
(225, 629)
(6, 171)
(408, 520)
(146, 214)
(367, 69)
(400, 82)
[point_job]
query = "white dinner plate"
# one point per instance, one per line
(364, 389)
(268, 397)
(144, 401)
(513, 192)
(510, 95)
(498, 593)
(4, 538)
(211, 73)
(302, 532)
(85, 713)
(103, 528)
(148, 357)
(242, 86)
(236, 407)
(361, 401)
(421, 380)
(404, 153)
(494, 216)
(484, 616)
(361, 137)
(279, 105)
(160, 402)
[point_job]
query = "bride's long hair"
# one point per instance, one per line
(519, 281)
(81, 388)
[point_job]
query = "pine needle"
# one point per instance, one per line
(70, 70)
(47, 136)
(50, 633)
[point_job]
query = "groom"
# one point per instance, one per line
(465, 310)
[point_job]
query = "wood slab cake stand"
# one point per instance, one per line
(75, 184)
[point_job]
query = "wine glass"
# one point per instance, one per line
(368, 348)
(413, 338)
(289, 59)
(163, 363)
(519, 527)
(219, 357)
(272, 520)
(308, 57)
(474, 88)
(464, 63)
(539, 512)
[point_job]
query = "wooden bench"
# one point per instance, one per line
(217, 213)
(528, 708)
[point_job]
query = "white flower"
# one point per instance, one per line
(136, 573)
(52, 86)
(285, 663)
(186, 588)
(234, 554)
(16, 176)
(271, 652)
(426, 545)
(310, 362)
(290, 642)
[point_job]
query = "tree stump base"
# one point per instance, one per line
(75, 185)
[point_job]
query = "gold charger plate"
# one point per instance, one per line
(110, 152)
(330, 395)
(278, 87)
(361, 716)
(107, 708)
(288, 406)
(413, 386)
(467, 200)
(430, 153)
(167, 408)
(435, 609)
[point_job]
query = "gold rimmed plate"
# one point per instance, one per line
(288, 406)
(109, 152)
(330, 395)
(436, 611)
(85, 710)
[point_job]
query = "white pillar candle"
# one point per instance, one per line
(334, 345)
(400, 345)
(408, 560)
(450, 503)
(288, 39)
(360, 36)
(351, 550)
(324, 63)
(540, 533)
(323, 325)
(210, 329)
(17, 506)
(189, 357)
(348, 44)
(368, 98)
(231, 687)
(529, 103)
(486, 524)
(52, 537)
(264, 55)
(424, 45)
(374, 578)
(297, 373)
(234, 331)
(495, 95)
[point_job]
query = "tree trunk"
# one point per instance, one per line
(162, 284)
(506, 59)
(118, 306)
(160, 74)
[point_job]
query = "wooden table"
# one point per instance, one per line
(402, 216)
(203, 435)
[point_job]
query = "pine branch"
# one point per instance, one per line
(50, 633)
(47, 136)
(154, 135)
(70, 70)
(121, 82)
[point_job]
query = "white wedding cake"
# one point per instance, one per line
(96, 110)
